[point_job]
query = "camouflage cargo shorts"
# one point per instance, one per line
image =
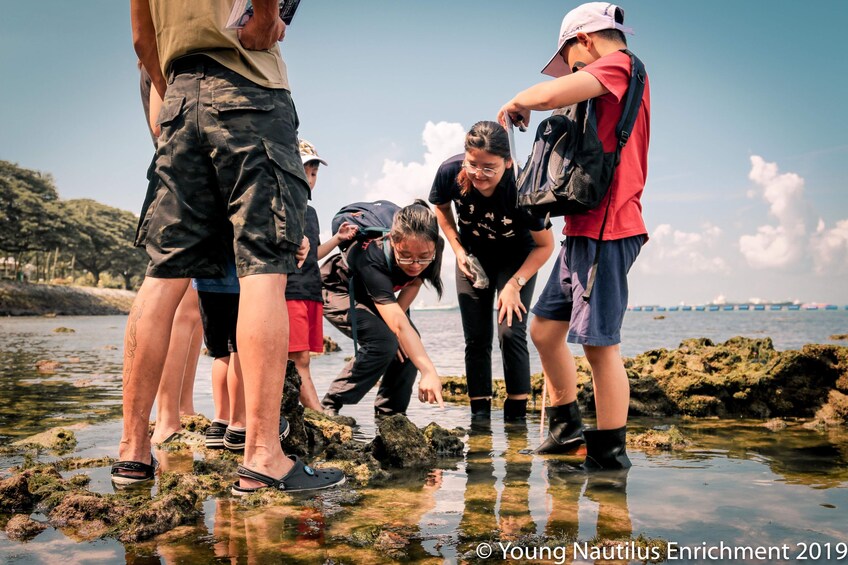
(227, 177)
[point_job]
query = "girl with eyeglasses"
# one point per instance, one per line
(510, 245)
(390, 349)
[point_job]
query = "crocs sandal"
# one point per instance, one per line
(120, 478)
(300, 478)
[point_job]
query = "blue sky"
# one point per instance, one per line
(746, 194)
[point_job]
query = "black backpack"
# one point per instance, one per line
(567, 171)
(374, 219)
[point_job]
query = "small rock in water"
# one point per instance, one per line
(47, 366)
(839, 337)
(64, 330)
(60, 440)
(23, 528)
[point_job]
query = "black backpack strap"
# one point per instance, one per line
(632, 103)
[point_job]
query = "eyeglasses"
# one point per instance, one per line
(411, 261)
(472, 170)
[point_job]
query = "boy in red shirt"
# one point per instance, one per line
(588, 64)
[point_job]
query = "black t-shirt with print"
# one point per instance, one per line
(376, 278)
(306, 283)
(487, 225)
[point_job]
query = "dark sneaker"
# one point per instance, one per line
(234, 439)
(215, 435)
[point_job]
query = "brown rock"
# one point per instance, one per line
(23, 528)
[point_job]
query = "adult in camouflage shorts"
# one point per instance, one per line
(227, 176)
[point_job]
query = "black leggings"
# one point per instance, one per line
(478, 318)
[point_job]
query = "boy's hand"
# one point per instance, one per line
(519, 115)
(347, 231)
(257, 35)
(430, 389)
(302, 252)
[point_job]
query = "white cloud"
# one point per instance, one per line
(790, 242)
(671, 251)
(781, 245)
(404, 182)
(830, 248)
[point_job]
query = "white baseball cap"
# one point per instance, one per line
(309, 153)
(589, 17)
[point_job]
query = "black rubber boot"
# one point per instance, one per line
(565, 429)
(481, 409)
(606, 449)
(515, 410)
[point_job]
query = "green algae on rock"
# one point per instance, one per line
(665, 440)
(61, 440)
(401, 444)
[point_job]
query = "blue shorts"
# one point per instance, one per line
(598, 321)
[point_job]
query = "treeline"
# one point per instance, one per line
(44, 238)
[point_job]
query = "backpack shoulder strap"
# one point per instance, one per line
(633, 99)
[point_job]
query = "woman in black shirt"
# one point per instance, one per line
(510, 244)
(389, 345)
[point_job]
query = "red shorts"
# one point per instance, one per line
(306, 326)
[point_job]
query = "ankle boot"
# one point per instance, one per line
(481, 409)
(565, 429)
(606, 449)
(515, 410)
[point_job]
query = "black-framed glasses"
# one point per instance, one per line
(472, 170)
(411, 261)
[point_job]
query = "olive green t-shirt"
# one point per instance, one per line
(185, 27)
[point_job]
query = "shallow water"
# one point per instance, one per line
(739, 483)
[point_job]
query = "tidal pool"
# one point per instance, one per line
(739, 484)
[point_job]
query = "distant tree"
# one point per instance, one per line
(103, 239)
(30, 212)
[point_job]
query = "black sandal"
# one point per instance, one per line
(300, 478)
(121, 479)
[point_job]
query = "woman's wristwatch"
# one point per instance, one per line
(521, 281)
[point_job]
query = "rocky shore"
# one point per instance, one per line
(740, 378)
(27, 299)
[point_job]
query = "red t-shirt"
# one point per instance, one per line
(625, 211)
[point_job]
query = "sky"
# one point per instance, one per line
(746, 194)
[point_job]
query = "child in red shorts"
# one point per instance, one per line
(303, 290)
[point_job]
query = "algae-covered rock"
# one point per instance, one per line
(47, 366)
(741, 377)
(357, 462)
(14, 493)
(331, 428)
(63, 330)
(665, 440)
(61, 440)
(401, 444)
(297, 442)
(445, 443)
(195, 423)
(88, 515)
(835, 411)
(170, 509)
(73, 463)
(23, 528)
(330, 346)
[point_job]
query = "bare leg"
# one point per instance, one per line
(193, 353)
(145, 348)
(262, 334)
(235, 386)
(168, 397)
(612, 390)
(220, 393)
(557, 361)
(308, 395)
